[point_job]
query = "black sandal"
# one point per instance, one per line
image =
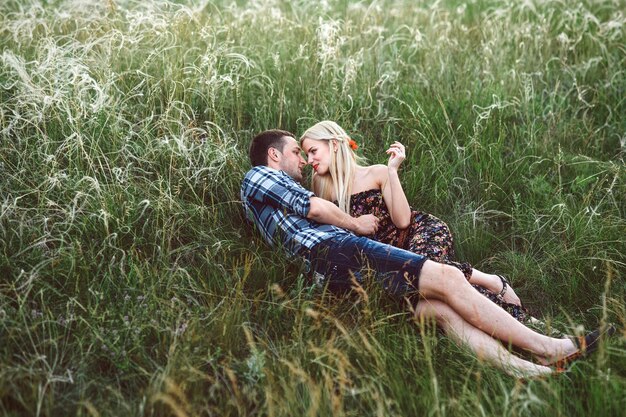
(586, 346)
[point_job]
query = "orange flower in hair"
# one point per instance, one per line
(353, 144)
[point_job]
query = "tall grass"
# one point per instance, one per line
(130, 283)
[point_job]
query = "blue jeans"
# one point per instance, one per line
(397, 270)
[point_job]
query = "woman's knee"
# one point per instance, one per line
(430, 308)
(436, 310)
(451, 274)
(440, 280)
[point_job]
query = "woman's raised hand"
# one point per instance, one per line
(396, 155)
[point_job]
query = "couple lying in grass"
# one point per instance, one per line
(357, 221)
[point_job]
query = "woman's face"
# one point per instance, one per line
(318, 154)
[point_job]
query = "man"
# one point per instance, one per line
(333, 242)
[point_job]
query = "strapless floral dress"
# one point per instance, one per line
(427, 235)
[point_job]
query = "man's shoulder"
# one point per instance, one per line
(256, 169)
(257, 173)
(262, 178)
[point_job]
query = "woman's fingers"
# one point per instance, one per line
(396, 155)
(396, 151)
(397, 147)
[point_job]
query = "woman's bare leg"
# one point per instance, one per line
(493, 283)
(484, 346)
(447, 284)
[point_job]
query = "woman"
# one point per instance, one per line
(341, 176)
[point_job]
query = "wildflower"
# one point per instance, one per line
(181, 329)
(353, 145)
(312, 313)
(563, 39)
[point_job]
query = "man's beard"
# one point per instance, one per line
(294, 173)
(296, 176)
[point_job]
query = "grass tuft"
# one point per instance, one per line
(130, 283)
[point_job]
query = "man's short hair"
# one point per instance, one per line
(265, 140)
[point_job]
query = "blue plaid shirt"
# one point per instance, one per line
(278, 206)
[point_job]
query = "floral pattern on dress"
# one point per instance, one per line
(427, 235)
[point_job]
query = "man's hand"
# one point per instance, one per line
(366, 225)
(323, 211)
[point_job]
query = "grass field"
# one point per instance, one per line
(130, 284)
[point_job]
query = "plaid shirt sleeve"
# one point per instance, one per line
(277, 205)
(277, 189)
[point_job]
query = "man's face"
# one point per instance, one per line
(291, 160)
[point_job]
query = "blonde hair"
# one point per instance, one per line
(343, 163)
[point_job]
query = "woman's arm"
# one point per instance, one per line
(393, 194)
(323, 211)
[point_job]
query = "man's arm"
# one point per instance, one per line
(323, 211)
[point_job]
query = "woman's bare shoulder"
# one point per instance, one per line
(377, 168)
(372, 176)
(379, 171)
